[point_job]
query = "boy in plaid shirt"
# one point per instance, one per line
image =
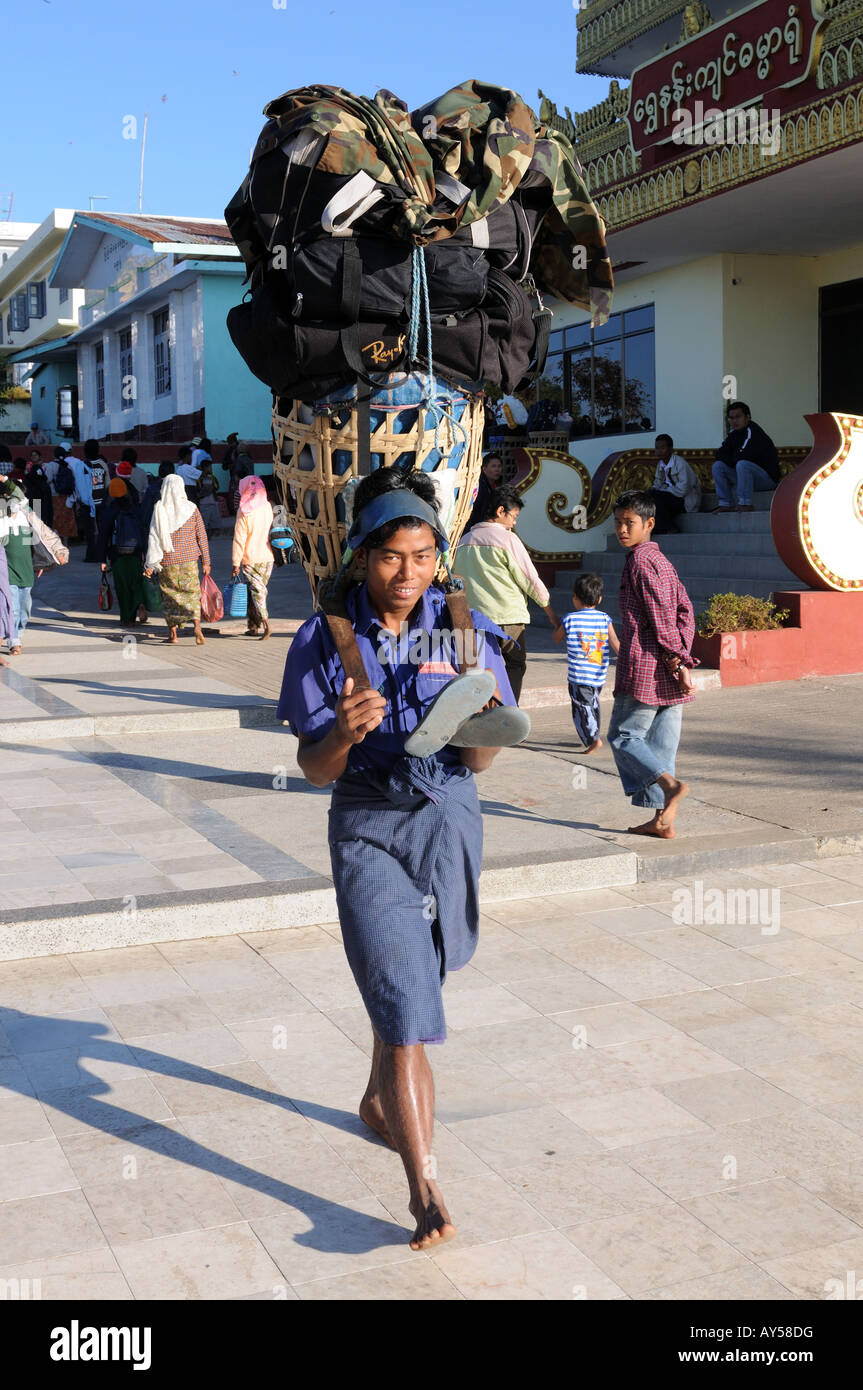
(653, 668)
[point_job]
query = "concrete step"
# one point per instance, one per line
(48, 728)
(724, 568)
(712, 543)
(728, 523)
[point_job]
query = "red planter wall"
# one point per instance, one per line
(824, 637)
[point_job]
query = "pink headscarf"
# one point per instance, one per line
(252, 494)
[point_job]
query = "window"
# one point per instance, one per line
(64, 295)
(36, 299)
(127, 378)
(99, 357)
(604, 377)
(67, 408)
(162, 352)
(20, 319)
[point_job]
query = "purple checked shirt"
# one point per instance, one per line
(409, 670)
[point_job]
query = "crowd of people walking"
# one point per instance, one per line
(149, 533)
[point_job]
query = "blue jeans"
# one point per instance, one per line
(585, 710)
(746, 478)
(21, 605)
(644, 739)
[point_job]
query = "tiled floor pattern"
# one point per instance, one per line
(628, 1107)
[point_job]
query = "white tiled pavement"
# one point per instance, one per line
(628, 1107)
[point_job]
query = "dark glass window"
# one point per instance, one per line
(604, 377)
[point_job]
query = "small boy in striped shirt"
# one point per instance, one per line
(589, 635)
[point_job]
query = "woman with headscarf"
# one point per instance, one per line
(178, 540)
(121, 541)
(252, 553)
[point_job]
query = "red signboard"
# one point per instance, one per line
(753, 54)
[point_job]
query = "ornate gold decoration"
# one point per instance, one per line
(696, 18)
(635, 468)
(632, 468)
(821, 125)
(548, 113)
(601, 31)
(691, 176)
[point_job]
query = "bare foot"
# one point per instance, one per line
(266, 632)
(653, 827)
(372, 1115)
(142, 613)
(200, 639)
(673, 797)
(172, 635)
(594, 747)
(433, 1224)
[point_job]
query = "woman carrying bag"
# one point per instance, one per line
(251, 553)
(178, 540)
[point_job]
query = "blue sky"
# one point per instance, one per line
(204, 69)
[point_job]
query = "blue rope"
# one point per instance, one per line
(420, 307)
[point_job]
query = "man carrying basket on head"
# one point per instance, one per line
(405, 829)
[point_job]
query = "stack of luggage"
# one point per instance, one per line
(377, 239)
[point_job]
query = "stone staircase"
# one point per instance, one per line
(733, 553)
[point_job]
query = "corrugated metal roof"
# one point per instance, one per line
(198, 231)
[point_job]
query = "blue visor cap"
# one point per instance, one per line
(392, 506)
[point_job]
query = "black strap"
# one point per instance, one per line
(364, 435)
(352, 282)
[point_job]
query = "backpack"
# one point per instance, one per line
(98, 471)
(127, 531)
(64, 481)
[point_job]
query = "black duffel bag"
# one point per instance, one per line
(502, 343)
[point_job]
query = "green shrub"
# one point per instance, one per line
(739, 613)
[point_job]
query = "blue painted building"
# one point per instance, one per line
(153, 355)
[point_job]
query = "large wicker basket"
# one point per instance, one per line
(315, 457)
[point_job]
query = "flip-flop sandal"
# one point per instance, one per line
(499, 727)
(459, 699)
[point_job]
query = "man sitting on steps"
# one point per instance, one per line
(746, 461)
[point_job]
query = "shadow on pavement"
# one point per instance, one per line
(335, 1227)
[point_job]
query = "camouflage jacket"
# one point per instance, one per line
(484, 136)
